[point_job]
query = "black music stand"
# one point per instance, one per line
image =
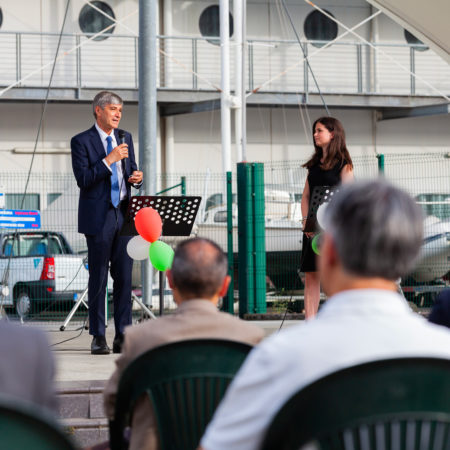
(178, 216)
(320, 195)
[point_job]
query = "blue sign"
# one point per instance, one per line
(25, 219)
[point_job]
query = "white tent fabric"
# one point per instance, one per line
(428, 20)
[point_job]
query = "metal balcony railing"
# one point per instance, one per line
(342, 68)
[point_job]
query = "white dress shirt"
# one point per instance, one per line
(353, 327)
(103, 136)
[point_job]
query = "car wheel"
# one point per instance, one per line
(22, 304)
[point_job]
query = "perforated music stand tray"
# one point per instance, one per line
(177, 213)
(320, 195)
(178, 216)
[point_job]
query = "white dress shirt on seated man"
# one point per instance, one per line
(353, 327)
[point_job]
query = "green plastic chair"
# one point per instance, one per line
(185, 382)
(398, 404)
(23, 426)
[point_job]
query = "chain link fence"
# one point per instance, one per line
(45, 270)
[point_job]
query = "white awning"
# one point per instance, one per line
(428, 20)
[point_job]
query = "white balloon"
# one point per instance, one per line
(320, 214)
(138, 248)
(4, 290)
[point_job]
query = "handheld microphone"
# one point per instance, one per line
(122, 136)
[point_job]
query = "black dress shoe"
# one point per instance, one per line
(117, 343)
(99, 346)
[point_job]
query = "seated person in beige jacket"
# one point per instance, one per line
(198, 279)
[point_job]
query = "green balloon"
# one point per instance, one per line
(161, 255)
(315, 244)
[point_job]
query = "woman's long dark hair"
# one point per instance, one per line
(337, 151)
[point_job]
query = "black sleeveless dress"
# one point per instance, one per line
(318, 177)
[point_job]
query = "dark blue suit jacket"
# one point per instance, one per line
(440, 313)
(94, 178)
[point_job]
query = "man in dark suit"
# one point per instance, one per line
(104, 166)
(440, 313)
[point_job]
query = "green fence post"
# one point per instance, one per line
(259, 238)
(228, 301)
(183, 185)
(380, 164)
(245, 239)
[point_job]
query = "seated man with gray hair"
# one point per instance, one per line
(372, 237)
(198, 279)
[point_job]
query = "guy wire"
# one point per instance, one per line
(305, 56)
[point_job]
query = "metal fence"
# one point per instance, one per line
(424, 176)
(276, 65)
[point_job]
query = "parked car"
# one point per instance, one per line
(39, 268)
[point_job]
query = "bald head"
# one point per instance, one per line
(199, 268)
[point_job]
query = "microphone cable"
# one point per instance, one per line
(289, 303)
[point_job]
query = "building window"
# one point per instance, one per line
(1, 17)
(416, 43)
(93, 21)
(318, 27)
(209, 24)
(14, 201)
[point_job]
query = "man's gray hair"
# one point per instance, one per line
(199, 268)
(377, 229)
(104, 98)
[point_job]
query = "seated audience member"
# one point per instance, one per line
(27, 368)
(373, 234)
(440, 313)
(198, 279)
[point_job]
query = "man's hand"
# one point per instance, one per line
(136, 177)
(117, 153)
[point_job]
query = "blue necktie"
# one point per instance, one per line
(115, 192)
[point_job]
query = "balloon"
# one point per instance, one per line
(161, 255)
(320, 215)
(148, 224)
(138, 248)
(315, 244)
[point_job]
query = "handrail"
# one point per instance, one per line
(209, 38)
(217, 38)
(355, 69)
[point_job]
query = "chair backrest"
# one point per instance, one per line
(185, 382)
(389, 404)
(23, 426)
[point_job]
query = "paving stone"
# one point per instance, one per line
(96, 406)
(86, 432)
(74, 405)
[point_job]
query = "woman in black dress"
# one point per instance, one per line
(330, 165)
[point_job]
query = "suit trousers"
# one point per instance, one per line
(104, 248)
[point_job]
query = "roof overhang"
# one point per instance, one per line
(428, 20)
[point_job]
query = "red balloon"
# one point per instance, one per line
(148, 224)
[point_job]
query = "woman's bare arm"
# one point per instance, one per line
(305, 206)
(347, 174)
